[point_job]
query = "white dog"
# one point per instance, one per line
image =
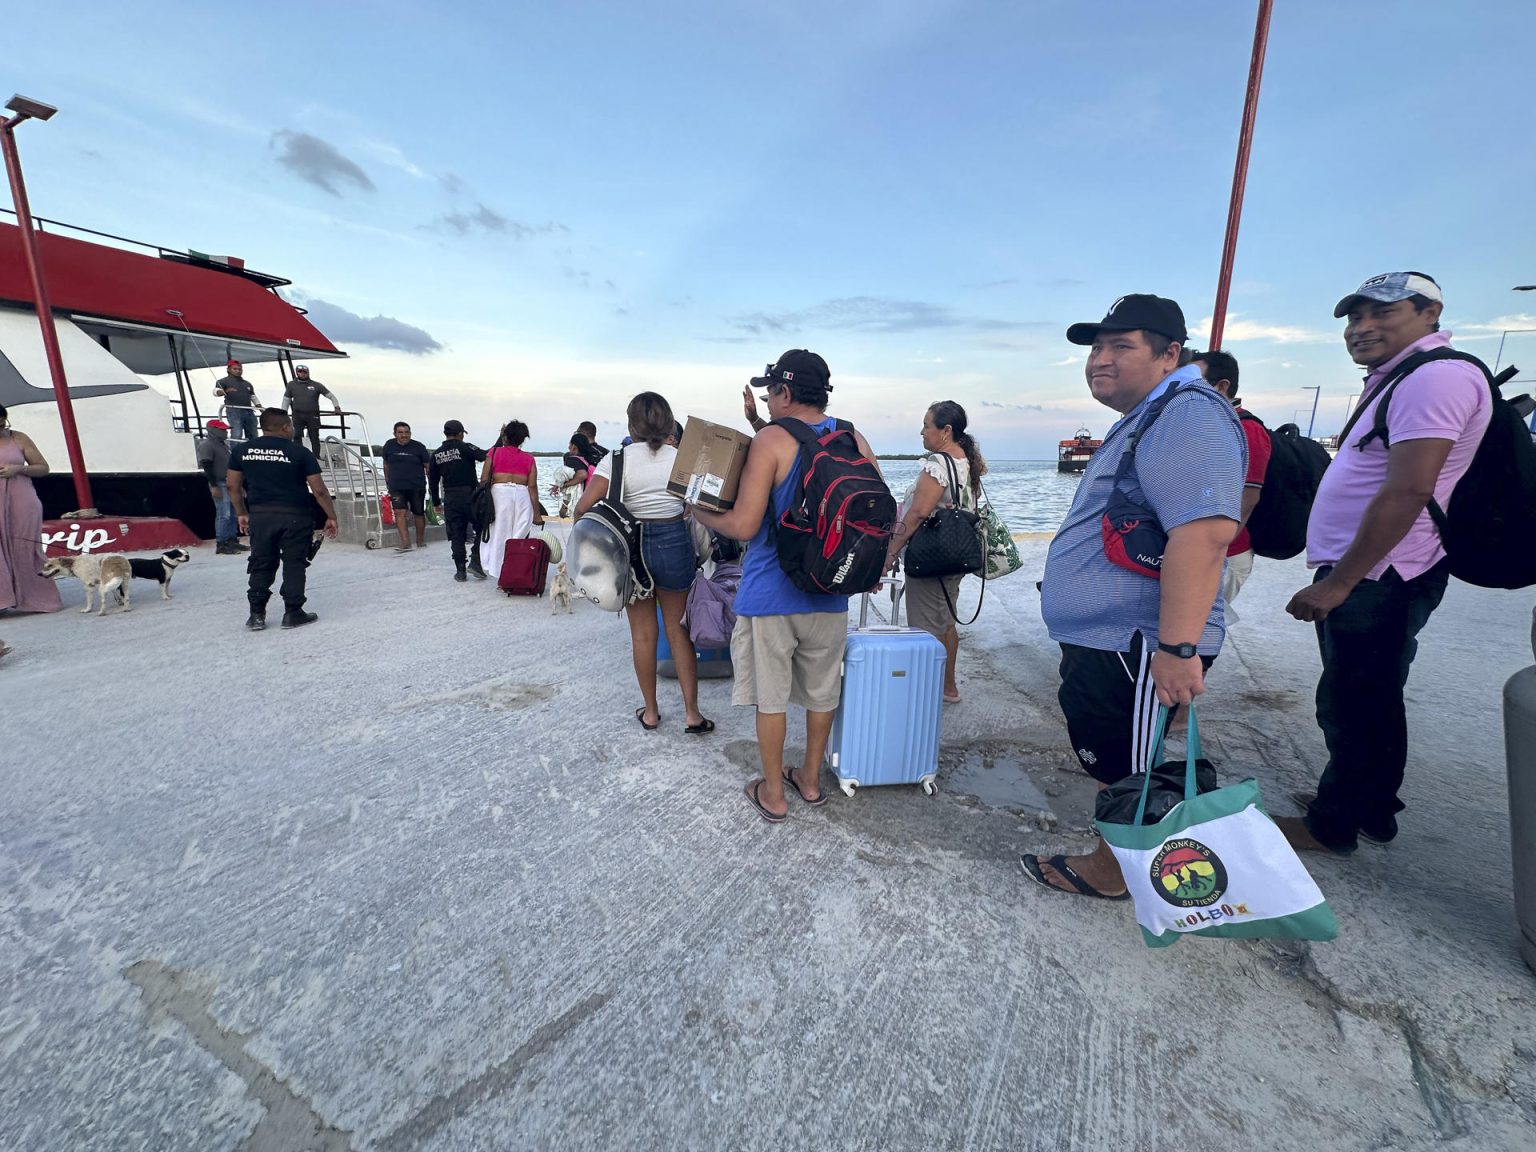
(100, 575)
(560, 591)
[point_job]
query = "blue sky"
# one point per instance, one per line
(557, 205)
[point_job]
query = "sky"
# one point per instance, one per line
(534, 210)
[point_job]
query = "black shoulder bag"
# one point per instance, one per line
(949, 543)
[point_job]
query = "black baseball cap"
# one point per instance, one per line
(1136, 312)
(452, 427)
(797, 366)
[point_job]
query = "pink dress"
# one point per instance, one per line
(23, 586)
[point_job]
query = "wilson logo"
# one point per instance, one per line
(842, 572)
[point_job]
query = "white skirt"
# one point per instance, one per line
(514, 521)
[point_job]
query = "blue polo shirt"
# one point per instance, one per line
(1190, 465)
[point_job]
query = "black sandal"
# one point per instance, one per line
(1032, 870)
(699, 729)
(640, 716)
(821, 797)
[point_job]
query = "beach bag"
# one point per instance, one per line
(949, 541)
(1277, 526)
(610, 516)
(712, 607)
(832, 537)
(1488, 526)
(1215, 865)
(1002, 553)
(1133, 537)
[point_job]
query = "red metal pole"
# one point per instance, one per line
(1240, 172)
(45, 318)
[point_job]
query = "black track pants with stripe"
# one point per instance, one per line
(1111, 708)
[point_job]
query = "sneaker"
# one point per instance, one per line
(257, 621)
(226, 548)
(298, 619)
(242, 547)
(460, 577)
(477, 572)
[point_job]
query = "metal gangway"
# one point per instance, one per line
(354, 476)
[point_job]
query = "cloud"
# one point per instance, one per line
(1239, 329)
(1062, 282)
(874, 314)
(1013, 407)
(483, 219)
(394, 157)
(344, 327)
(452, 183)
(987, 284)
(316, 162)
(1068, 361)
(1496, 327)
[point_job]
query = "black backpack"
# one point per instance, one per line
(1488, 527)
(832, 538)
(1277, 526)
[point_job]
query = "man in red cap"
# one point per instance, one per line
(213, 459)
(240, 403)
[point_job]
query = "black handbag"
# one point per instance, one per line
(949, 542)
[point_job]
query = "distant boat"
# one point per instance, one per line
(1073, 455)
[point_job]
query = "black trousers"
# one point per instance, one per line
(279, 534)
(463, 532)
(1368, 644)
(1111, 708)
(307, 422)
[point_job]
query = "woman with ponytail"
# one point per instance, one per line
(947, 444)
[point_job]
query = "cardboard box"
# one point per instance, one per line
(709, 464)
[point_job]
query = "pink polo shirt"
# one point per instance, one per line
(1444, 400)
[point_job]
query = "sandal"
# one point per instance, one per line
(703, 726)
(948, 699)
(771, 817)
(821, 797)
(640, 716)
(1032, 870)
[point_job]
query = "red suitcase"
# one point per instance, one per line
(524, 568)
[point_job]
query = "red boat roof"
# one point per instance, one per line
(136, 298)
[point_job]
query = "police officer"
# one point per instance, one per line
(302, 398)
(452, 475)
(274, 484)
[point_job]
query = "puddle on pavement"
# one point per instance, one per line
(997, 780)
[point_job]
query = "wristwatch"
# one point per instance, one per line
(1182, 651)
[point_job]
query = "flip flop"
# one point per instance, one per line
(1032, 870)
(703, 726)
(771, 817)
(640, 716)
(948, 699)
(821, 797)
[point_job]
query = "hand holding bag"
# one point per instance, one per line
(1215, 865)
(949, 541)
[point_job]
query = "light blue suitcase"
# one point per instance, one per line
(886, 729)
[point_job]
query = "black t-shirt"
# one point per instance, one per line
(238, 392)
(275, 470)
(404, 464)
(453, 465)
(577, 463)
(598, 450)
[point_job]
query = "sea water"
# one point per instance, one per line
(1030, 495)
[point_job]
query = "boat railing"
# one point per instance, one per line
(354, 476)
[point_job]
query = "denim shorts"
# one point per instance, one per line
(667, 548)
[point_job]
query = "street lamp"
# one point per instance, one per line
(1316, 390)
(28, 109)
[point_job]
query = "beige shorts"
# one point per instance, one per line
(926, 608)
(1233, 577)
(784, 660)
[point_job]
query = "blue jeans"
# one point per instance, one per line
(225, 529)
(242, 423)
(668, 551)
(1368, 644)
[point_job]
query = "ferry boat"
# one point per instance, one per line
(1073, 455)
(125, 309)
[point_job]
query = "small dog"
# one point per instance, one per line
(97, 574)
(560, 590)
(162, 568)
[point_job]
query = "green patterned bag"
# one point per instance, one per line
(1002, 552)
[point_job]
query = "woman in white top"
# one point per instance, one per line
(947, 442)
(667, 547)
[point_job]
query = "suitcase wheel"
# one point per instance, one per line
(928, 785)
(849, 787)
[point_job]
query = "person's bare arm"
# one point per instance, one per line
(754, 490)
(1250, 502)
(1191, 574)
(33, 463)
(925, 498)
(234, 485)
(749, 409)
(533, 489)
(1413, 466)
(594, 492)
(323, 496)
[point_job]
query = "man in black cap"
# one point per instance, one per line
(453, 476)
(274, 484)
(1138, 614)
(302, 398)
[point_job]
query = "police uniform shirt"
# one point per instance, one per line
(276, 471)
(454, 465)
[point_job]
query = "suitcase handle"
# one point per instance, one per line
(897, 584)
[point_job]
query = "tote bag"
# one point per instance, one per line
(949, 541)
(1002, 553)
(1216, 865)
